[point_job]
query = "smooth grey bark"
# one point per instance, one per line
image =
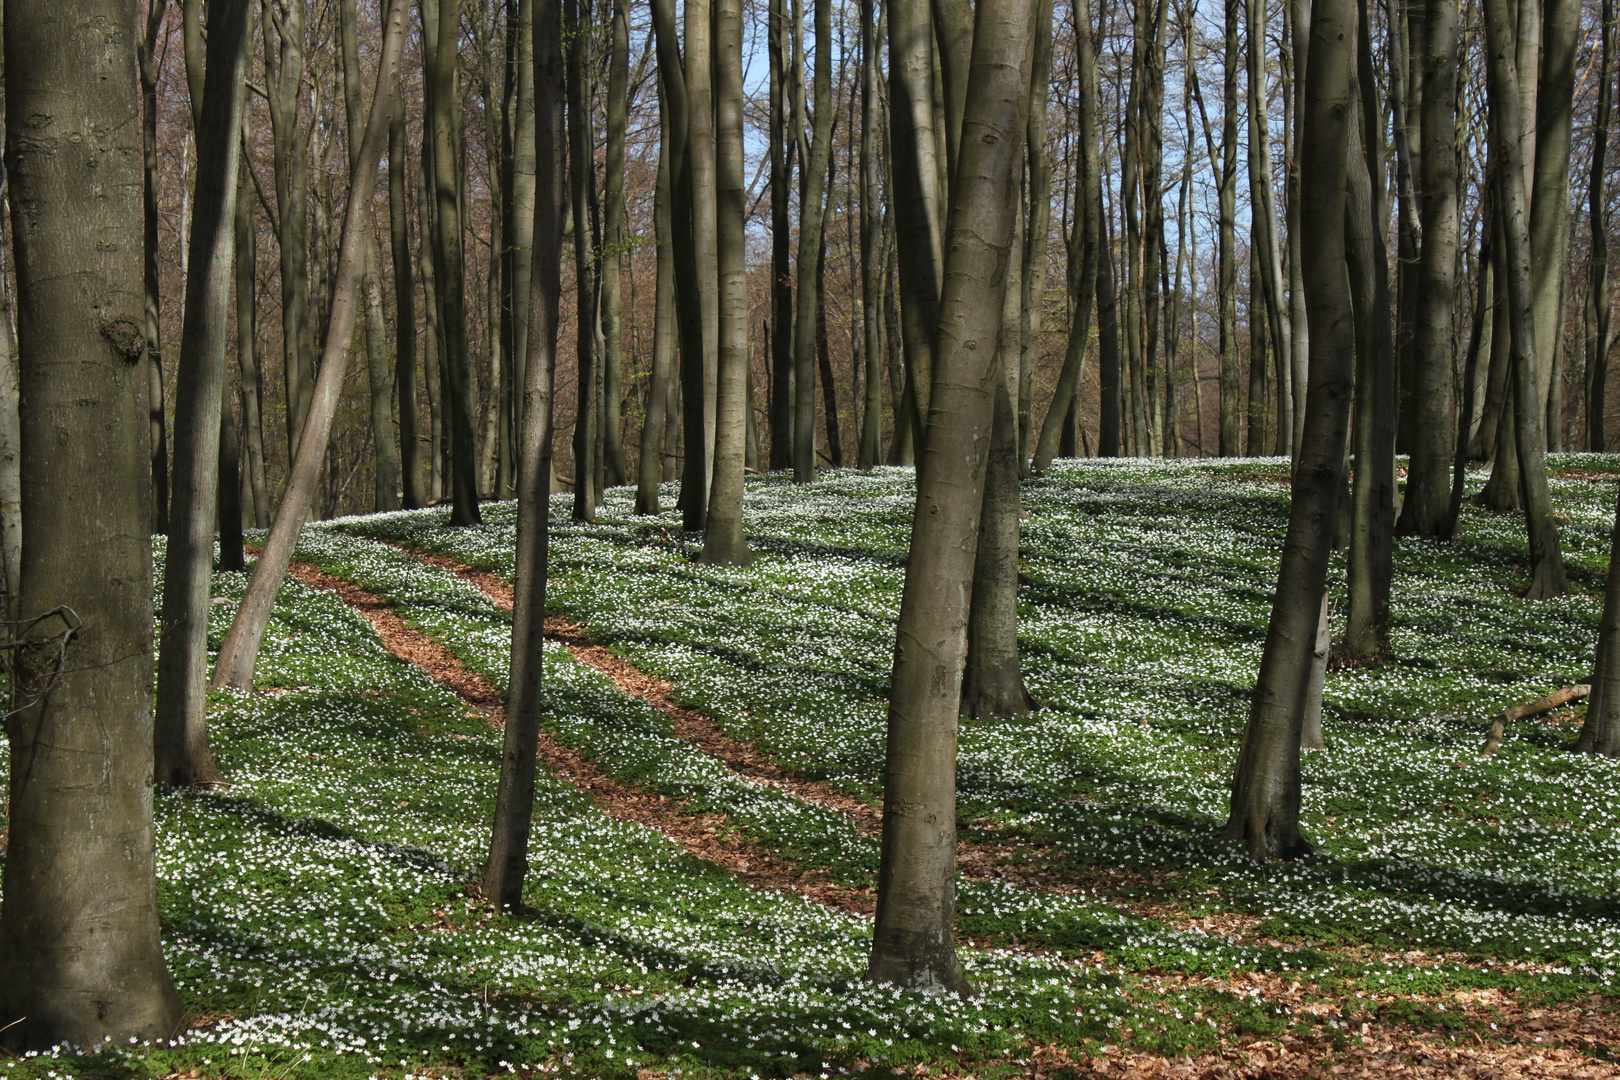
(1549, 210)
(1546, 559)
(1108, 421)
(284, 75)
(1310, 732)
(723, 542)
(10, 453)
(914, 937)
(157, 418)
(230, 487)
(1478, 330)
(613, 244)
(698, 15)
(240, 650)
(587, 280)
(1263, 227)
(180, 728)
(81, 959)
(432, 339)
(1600, 734)
(517, 226)
(916, 196)
(812, 210)
(1226, 260)
(413, 497)
(1428, 484)
(1085, 236)
(508, 861)
(871, 198)
(1038, 180)
(782, 146)
(441, 88)
(1259, 400)
(1266, 783)
(247, 356)
(829, 388)
(1372, 516)
(657, 422)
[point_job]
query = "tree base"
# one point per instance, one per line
(930, 969)
(1267, 838)
(999, 692)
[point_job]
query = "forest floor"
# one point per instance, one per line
(705, 841)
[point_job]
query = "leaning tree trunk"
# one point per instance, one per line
(239, 652)
(1266, 783)
(449, 269)
(812, 206)
(1428, 485)
(914, 938)
(508, 861)
(1546, 560)
(723, 542)
(81, 960)
(180, 731)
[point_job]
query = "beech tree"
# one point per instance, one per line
(81, 962)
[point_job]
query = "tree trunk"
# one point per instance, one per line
(1226, 259)
(508, 861)
(582, 195)
(1263, 228)
(871, 245)
(812, 208)
(180, 730)
(781, 158)
(1598, 306)
(1549, 211)
(239, 652)
(1546, 560)
(1600, 734)
(1428, 486)
(1108, 425)
(284, 64)
(157, 419)
(829, 387)
(1259, 404)
(518, 222)
(449, 270)
(914, 937)
(1266, 783)
(723, 542)
(1372, 520)
(1037, 235)
(612, 247)
(81, 961)
(404, 312)
(247, 356)
(664, 332)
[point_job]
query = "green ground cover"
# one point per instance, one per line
(316, 913)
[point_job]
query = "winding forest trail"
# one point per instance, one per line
(1562, 1041)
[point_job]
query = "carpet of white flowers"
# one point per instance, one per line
(316, 914)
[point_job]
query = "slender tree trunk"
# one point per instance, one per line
(582, 195)
(284, 63)
(781, 158)
(1263, 230)
(1598, 305)
(1108, 427)
(1266, 783)
(1549, 211)
(81, 961)
(871, 244)
(449, 268)
(829, 388)
(404, 312)
(701, 167)
(1483, 292)
(157, 419)
(1258, 398)
(180, 731)
(238, 653)
(1037, 235)
(432, 337)
(664, 333)
(812, 208)
(914, 937)
(723, 541)
(1226, 258)
(613, 245)
(508, 860)
(1600, 734)
(247, 355)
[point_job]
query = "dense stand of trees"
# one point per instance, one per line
(629, 244)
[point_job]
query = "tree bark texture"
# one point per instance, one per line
(812, 209)
(1600, 734)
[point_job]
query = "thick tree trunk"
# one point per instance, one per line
(914, 937)
(723, 542)
(1428, 486)
(1266, 784)
(81, 961)
(180, 730)
(1546, 560)
(239, 652)
(508, 861)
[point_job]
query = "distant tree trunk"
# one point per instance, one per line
(1372, 519)
(404, 312)
(152, 326)
(81, 960)
(230, 487)
(1546, 560)
(181, 728)
(781, 161)
(1037, 235)
(723, 542)
(812, 207)
(1476, 332)
(1263, 231)
(1548, 210)
(284, 65)
(1226, 259)
(247, 356)
(1598, 306)
(664, 332)
(612, 246)
(914, 937)
(517, 222)
(829, 387)
(239, 652)
(432, 337)
(582, 194)
(1085, 239)
(698, 15)
(871, 245)
(449, 270)
(1259, 401)
(1108, 433)
(1428, 486)
(1266, 783)
(508, 860)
